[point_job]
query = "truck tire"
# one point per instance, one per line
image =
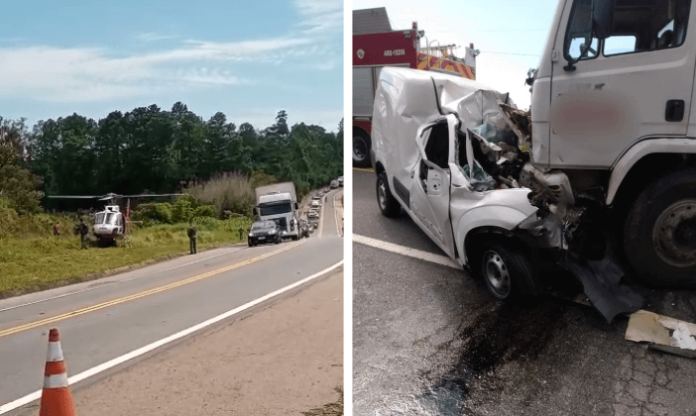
(504, 270)
(387, 203)
(361, 149)
(659, 235)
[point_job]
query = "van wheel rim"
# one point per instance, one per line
(359, 148)
(382, 193)
(674, 234)
(497, 274)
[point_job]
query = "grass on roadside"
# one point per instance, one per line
(41, 262)
(331, 409)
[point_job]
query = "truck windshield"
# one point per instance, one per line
(275, 208)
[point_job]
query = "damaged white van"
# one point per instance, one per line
(446, 152)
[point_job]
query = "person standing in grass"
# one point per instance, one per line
(83, 230)
(192, 235)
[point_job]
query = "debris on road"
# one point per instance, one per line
(662, 333)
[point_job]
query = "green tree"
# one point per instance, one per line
(17, 183)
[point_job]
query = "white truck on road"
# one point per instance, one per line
(278, 202)
(600, 177)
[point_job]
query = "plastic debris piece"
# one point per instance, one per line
(644, 326)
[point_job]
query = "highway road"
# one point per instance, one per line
(106, 324)
(428, 338)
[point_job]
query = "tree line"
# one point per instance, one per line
(151, 150)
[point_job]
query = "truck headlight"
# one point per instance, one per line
(251, 234)
(272, 232)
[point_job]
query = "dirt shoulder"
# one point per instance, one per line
(283, 360)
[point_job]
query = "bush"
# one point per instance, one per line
(153, 213)
(183, 209)
(204, 211)
(231, 191)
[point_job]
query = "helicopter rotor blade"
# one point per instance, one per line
(149, 195)
(73, 196)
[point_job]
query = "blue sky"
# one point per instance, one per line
(248, 59)
(509, 33)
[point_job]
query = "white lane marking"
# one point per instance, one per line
(407, 251)
(338, 230)
(116, 281)
(144, 350)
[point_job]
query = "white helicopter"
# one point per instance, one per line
(111, 222)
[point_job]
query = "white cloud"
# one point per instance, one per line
(51, 73)
(84, 74)
(320, 16)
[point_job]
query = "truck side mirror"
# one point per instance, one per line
(603, 17)
(256, 211)
(297, 206)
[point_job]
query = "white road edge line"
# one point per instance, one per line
(115, 281)
(338, 230)
(140, 351)
(407, 251)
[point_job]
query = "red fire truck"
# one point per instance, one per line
(375, 45)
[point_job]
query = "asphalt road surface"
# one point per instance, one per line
(428, 339)
(108, 318)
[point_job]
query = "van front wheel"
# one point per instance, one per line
(504, 270)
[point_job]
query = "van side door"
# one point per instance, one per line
(430, 188)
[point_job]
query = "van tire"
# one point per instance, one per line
(659, 234)
(505, 270)
(387, 203)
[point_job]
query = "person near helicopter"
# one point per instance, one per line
(83, 229)
(192, 235)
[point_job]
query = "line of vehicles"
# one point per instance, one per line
(278, 217)
(596, 179)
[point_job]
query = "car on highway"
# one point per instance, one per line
(264, 232)
(313, 215)
(305, 229)
(340, 181)
(334, 184)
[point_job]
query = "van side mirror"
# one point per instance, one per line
(603, 17)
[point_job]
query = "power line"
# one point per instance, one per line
(511, 53)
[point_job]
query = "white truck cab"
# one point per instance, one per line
(612, 109)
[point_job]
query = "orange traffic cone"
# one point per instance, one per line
(56, 399)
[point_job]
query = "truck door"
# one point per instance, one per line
(430, 189)
(633, 82)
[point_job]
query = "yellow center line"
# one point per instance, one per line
(365, 169)
(103, 305)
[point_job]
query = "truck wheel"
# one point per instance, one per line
(504, 270)
(361, 149)
(387, 203)
(660, 231)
